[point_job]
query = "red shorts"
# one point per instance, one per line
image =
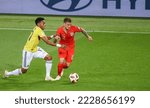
(66, 53)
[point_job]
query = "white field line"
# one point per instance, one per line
(124, 32)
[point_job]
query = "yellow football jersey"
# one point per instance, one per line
(34, 39)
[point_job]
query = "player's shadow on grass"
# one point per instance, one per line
(15, 83)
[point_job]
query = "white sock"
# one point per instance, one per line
(14, 72)
(48, 67)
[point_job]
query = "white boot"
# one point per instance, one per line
(58, 78)
(49, 79)
(5, 74)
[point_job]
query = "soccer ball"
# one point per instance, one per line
(74, 77)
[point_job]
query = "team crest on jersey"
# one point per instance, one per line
(71, 33)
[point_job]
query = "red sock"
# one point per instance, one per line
(60, 68)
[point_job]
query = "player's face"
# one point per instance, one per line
(67, 25)
(42, 25)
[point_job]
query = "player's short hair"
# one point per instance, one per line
(67, 20)
(39, 19)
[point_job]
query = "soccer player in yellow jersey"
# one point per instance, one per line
(31, 50)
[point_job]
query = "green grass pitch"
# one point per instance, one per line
(117, 59)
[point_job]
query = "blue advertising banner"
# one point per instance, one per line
(125, 8)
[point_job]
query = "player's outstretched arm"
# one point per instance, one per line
(87, 35)
(45, 39)
(55, 37)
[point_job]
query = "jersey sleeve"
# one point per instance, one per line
(77, 29)
(58, 32)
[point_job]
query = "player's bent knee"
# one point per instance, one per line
(48, 58)
(61, 62)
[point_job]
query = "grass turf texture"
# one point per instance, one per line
(113, 61)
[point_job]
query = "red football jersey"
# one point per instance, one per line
(67, 36)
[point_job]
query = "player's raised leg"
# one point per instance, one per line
(61, 66)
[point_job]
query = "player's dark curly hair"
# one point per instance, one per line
(39, 19)
(67, 20)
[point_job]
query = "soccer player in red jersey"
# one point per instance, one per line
(65, 34)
